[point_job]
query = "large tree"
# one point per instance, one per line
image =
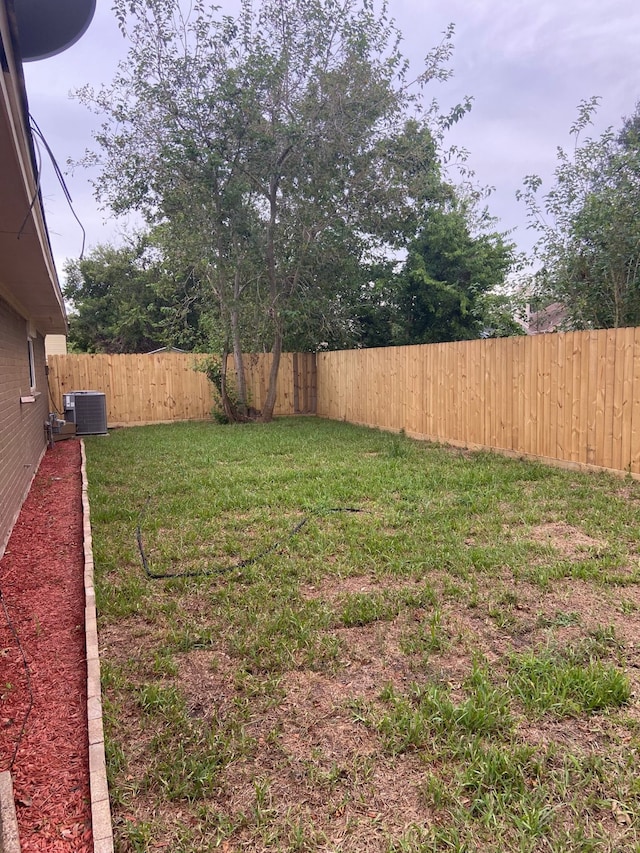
(588, 252)
(124, 300)
(449, 285)
(269, 151)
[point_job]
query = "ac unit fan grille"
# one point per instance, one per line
(90, 412)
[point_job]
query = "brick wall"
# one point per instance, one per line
(22, 434)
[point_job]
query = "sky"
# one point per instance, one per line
(527, 64)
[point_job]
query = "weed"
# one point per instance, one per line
(428, 715)
(361, 609)
(160, 699)
(191, 637)
(138, 834)
(302, 836)
(417, 839)
(164, 664)
(262, 810)
(558, 620)
(426, 637)
(548, 682)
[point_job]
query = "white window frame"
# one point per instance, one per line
(32, 366)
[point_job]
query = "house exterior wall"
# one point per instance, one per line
(22, 433)
(31, 303)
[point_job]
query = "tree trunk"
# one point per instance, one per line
(276, 350)
(227, 406)
(241, 380)
(270, 401)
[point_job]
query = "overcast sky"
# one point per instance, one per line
(526, 63)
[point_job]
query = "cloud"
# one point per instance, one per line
(527, 63)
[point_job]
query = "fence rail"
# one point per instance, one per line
(573, 397)
(163, 387)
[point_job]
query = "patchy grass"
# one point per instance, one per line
(453, 666)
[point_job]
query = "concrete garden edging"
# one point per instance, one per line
(9, 840)
(100, 809)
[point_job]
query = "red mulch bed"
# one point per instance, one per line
(41, 578)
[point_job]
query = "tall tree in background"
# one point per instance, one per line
(269, 152)
(589, 225)
(123, 300)
(446, 290)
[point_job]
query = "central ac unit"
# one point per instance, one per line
(87, 410)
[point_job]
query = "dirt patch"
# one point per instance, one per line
(567, 540)
(206, 680)
(321, 768)
(575, 735)
(629, 492)
(332, 589)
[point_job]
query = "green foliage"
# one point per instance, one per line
(589, 245)
(429, 715)
(363, 608)
(225, 388)
(446, 289)
(124, 300)
(452, 285)
(115, 306)
(426, 637)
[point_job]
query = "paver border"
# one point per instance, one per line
(100, 809)
(9, 839)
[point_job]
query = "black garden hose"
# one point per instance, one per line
(238, 565)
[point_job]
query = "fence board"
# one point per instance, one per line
(463, 393)
(530, 367)
(477, 398)
(504, 362)
(563, 369)
(626, 403)
(572, 403)
(635, 406)
(541, 397)
(613, 401)
(553, 413)
(588, 398)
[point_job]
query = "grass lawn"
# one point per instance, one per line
(453, 667)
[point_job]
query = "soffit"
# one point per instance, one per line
(28, 279)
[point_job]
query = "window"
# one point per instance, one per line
(32, 365)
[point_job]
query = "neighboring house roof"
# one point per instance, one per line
(549, 319)
(166, 349)
(28, 278)
(55, 345)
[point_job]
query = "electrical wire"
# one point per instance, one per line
(38, 134)
(53, 402)
(37, 190)
(12, 628)
(241, 564)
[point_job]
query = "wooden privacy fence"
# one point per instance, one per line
(162, 387)
(572, 397)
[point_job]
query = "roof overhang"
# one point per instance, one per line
(28, 278)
